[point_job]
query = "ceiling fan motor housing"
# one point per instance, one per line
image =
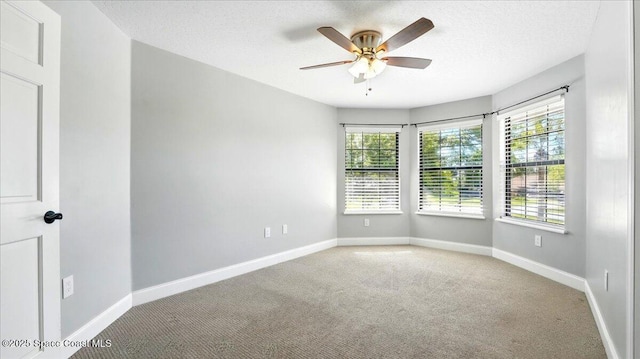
(367, 40)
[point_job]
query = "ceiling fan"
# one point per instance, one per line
(365, 45)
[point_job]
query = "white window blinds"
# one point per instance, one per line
(533, 157)
(372, 178)
(451, 168)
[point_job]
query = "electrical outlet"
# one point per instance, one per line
(606, 280)
(366, 222)
(67, 287)
(537, 240)
(267, 232)
(285, 229)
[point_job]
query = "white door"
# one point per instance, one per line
(29, 135)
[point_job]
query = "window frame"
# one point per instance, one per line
(363, 130)
(460, 125)
(503, 162)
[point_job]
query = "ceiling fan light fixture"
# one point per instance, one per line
(360, 66)
(377, 65)
(374, 68)
(367, 67)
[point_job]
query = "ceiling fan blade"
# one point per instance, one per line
(333, 35)
(359, 79)
(326, 65)
(407, 35)
(410, 62)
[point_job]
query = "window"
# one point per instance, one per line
(533, 163)
(372, 179)
(451, 168)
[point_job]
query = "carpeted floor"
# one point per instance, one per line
(365, 302)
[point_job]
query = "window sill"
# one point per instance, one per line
(554, 229)
(451, 214)
(372, 212)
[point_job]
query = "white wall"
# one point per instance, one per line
(380, 225)
(464, 230)
(215, 159)
(95, 122)
(562, 251)
(609, 77)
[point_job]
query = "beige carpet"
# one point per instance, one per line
(365, 302)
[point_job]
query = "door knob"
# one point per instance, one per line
(51, 216)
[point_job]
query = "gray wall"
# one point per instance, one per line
(563, 251)
(215, 159)
(609, 77)
(95, 120)
(380, 225)
(464, 230)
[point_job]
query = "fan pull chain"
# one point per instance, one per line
(368, 88)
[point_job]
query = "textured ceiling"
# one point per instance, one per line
(477, 47)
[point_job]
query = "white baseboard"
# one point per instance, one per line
(184, 284)
(602, 327)
(452, 246)
(544, 270)
(374, 241)
(91, 329)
